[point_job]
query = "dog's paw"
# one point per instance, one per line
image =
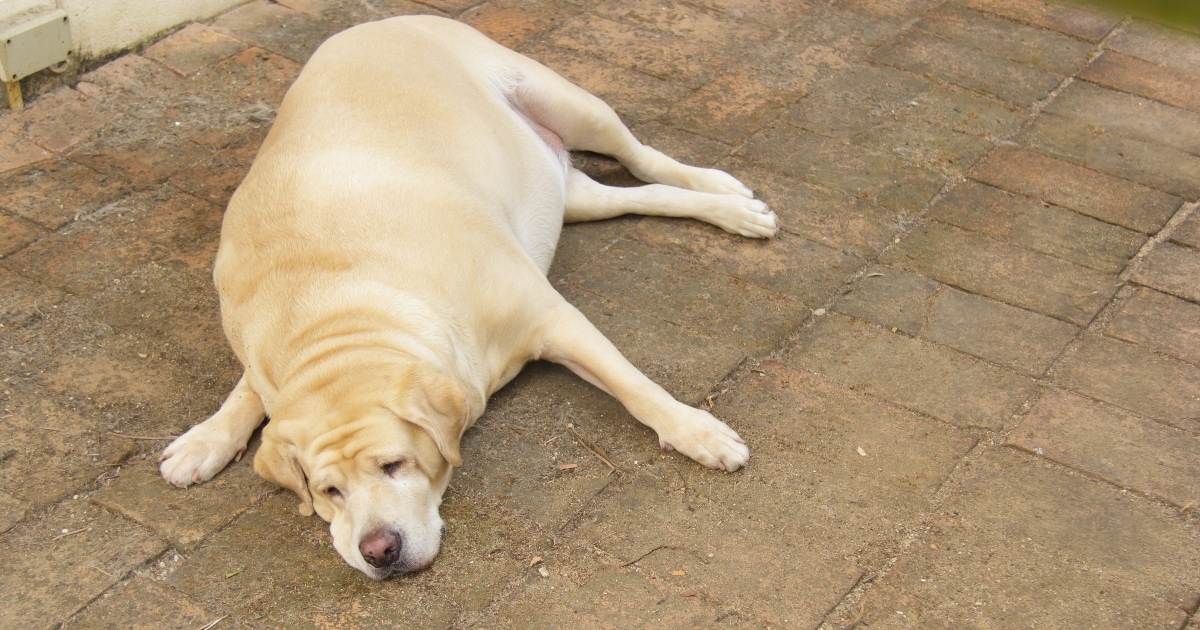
(711, 180)
(198, 455)
(705, 439)
(746, 217)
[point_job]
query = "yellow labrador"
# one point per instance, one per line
(382, 272)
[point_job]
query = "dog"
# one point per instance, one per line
(382, 271)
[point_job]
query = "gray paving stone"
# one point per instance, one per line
(1188, 232)
(1033, 224)
(1151, 164)
(1133, 116)
(1135, 378)
(892, 298)
(918, 375)
(1081, 189)
(1004, 272)
(1119, 447)
(1159, 321)
(142, 604)
(1078, 21)
(12, 510)
(1152, 42)
(1172, 269)
(275, 28)
(1034, 46)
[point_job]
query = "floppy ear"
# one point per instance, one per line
(437, 404)
(277, 462)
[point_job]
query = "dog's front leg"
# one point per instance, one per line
(573, 341)
(201, 453)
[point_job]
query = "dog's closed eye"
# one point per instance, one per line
(333, 492)
(390, 469)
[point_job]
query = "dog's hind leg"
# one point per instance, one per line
(587, 123)
(573, 341)
(199, 454)
(588, 200)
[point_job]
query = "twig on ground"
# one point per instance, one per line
(209, 625)
(65, 534)
(144, 437)
(595, 450)
(639, 558)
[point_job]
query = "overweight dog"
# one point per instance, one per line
(382, 271)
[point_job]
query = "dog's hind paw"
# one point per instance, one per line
(711, 180)
(707, 440)
(198, 455)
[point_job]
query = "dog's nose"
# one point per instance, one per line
(381, 548)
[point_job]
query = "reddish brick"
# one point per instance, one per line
(15, 234)
(774, 13)
(138, 155)
(734, 105)
(969, 67)
(1077, 22)
(53, 193)
(55, 577)
(193, 48)
(1004, 272)
(313, 8)
(214, 178)
(1130, 74)
(16, 150)
(1158, 44)
(1116, 446)
(1004, 38)
(276, 28)
(1161, 322)
(927, 144)
(1188, 232)
(451, 7)
(1152, 164)
(63, 119)
(892, 298)
(234, 101)
(714, 29)
(1171, 269)
(519, 23)
(1126, 114)
(1135, 378)
(1092, 193)
(952, 387)
(142, 604)
(1038, 226)
(581, 242)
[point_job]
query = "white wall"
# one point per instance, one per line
(99, 27)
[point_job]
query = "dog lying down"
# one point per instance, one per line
(382, 271)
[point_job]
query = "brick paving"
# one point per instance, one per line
(968, 368)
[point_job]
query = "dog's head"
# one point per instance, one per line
(375, 467)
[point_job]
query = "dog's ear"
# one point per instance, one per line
(434, 402)
(278, 463)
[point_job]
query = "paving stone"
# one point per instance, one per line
(1004, 272)
(185, 517)
(807, 478)
(142, 604)
(681, 144)
(1092, 193)
(518, 23)
(16, 233)
(1129, 115)
(914, 374)
(63, 119)
(1023, 340)
(50, 452)
(822, 216)
(1065, 18)
(635, 96)
(1001, 37)
(1153, 165)
(215, 177)
(696, 23)
(1156, 43)
(743, 314)
(684, 363)
(765, 575)
(276, 28)
(736, 104)
(22, 301)
(54, 192)
(691, 62)
(451, 7)
(831, 163)
(1161, 322)
(1188, 232)
(129, 79)
(93, 253)
(1171, 269)
(1036, 225)
(193, 48)
(969, 67)
(342, 14)
(927, 144)
(12, 510)
(1026, 545)
(776, 13)
(891, 298)
(125, 149)
(16, 150)
(804, 270)
(232, 104)
(1135, 378)
(1130, 74)
(1116, 446)
(47, 579)
(581, 242)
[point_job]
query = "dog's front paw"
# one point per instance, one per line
(198, 455)
(705, 439)
(711, 180)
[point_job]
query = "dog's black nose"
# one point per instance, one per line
(381, 548)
